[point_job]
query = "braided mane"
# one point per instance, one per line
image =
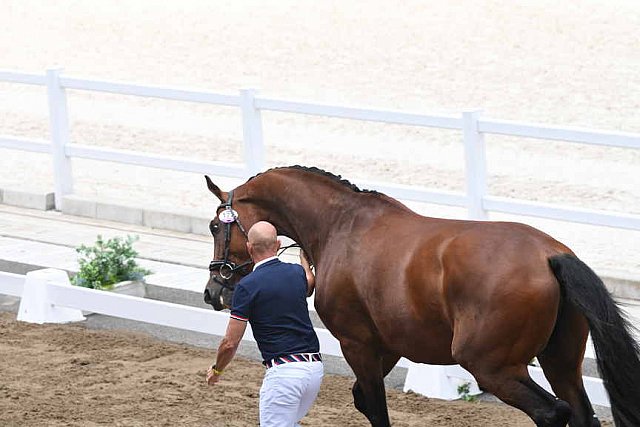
(321, 172)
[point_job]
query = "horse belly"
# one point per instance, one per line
(411, 326)
(419, 342)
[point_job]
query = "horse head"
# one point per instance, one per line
(231, 260)
(299, 201)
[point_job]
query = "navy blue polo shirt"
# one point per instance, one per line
(273, 298)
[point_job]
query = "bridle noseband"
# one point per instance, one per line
(226, 268)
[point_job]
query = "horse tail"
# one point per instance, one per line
(617, 353)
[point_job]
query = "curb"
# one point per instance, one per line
(621, 285)
(77, 206)
(25, 199)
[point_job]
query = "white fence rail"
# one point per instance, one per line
(47, 289)
(473, 128)
(47, 297)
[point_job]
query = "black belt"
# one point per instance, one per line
(289, 358)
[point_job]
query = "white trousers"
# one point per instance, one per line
(288, 392)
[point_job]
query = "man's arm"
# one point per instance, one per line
(311, 278)
(227, 349)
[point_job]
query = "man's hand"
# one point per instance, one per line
(311, 278)
(304, 260)
(212, 377)
(227, 349)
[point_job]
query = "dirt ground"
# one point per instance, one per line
(58, 375)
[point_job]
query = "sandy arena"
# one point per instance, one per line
(73, 376)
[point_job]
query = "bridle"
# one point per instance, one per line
(226, 268)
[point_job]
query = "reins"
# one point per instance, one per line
(284, 248)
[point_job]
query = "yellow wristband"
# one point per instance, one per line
(215, 371)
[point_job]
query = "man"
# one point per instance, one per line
(273, 299)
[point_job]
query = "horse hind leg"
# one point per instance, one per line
(561, 362)
(498, 359)
(513, 386)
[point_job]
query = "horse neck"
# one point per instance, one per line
(308, 212)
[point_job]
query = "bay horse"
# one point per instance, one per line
(390, 283)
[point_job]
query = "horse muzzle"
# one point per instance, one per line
(214, 300)
(218, 293)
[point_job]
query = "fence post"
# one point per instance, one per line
(59, 128)
(475, 165)
(35, 306)
(252, 132)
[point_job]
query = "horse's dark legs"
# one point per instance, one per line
(368, 391)
(498, 359)
(561, 361)
(388, 362)
(513, 385)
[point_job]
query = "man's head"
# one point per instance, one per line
(262, 241)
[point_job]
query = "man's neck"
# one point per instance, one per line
(264, 260)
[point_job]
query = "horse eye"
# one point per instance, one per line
(214, 227)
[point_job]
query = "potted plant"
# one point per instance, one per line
(110, 265)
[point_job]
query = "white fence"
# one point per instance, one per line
(47, 297)
(476, 199)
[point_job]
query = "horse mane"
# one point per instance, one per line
(321, 172)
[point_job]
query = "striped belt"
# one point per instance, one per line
(289, 358)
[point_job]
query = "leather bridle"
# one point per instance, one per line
(225, 267)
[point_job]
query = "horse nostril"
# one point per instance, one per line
(207, 296)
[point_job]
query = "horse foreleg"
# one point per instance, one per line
(368, 390)
(388, 363)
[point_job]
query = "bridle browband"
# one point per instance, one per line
(226, 268)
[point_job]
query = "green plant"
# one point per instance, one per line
(463, 392)
(107, 263)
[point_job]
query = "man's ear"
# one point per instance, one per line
(221, 195)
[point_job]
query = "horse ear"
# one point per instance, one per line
(214, 188)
